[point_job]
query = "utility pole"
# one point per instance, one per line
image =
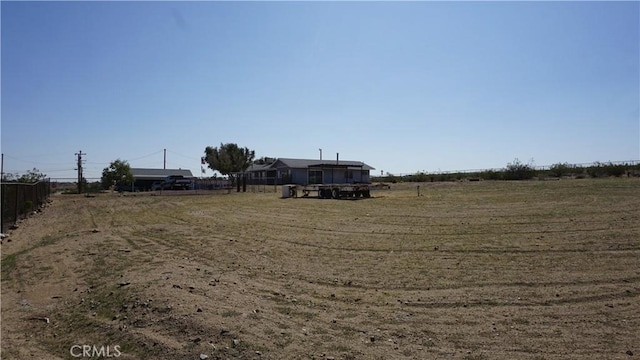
(79, 155)
(164, 164)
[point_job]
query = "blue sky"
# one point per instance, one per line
(402, 86)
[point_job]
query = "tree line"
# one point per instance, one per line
(518, 170)
(30, 177)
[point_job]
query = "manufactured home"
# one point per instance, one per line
(304, 171)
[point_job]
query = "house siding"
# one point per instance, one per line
(365, 176)
(299, 176)
(334, 176)
(345, 176)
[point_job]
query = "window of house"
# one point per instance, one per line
(315, 176)
(348, 174)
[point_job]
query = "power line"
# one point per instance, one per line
(184, 156)
(146, 156)
(33, 162)
(41, 170)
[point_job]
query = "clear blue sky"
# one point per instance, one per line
(402, 86)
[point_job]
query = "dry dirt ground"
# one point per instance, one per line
(473, 270)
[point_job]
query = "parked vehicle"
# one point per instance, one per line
(176, 182)
(156, 186)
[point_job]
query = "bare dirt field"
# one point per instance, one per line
(473, 270)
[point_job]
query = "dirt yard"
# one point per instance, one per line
(475, 270)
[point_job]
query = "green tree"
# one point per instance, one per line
(8, 177)
(118, 171)
(265, 160)
(229, 159)
(32, 176)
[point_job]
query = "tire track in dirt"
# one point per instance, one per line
(317, 228)
(453, 251)
(419, 311)
(632, 282)
(510, 213)
(179, 248)
(455, 217)
(138, 249)
(550, 302)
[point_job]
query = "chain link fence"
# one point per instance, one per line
(20, 199)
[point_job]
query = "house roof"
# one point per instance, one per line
(159, 174)
(259, 167)
(306, 163)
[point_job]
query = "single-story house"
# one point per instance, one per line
(305, 171)
(143, 179)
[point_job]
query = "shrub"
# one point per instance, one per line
(561, 169)
(418, 177)
(607, 169)
(595, 170)
(93, 187)
(490, 175)
(27, 207)
(615, 170)
(519, 171)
